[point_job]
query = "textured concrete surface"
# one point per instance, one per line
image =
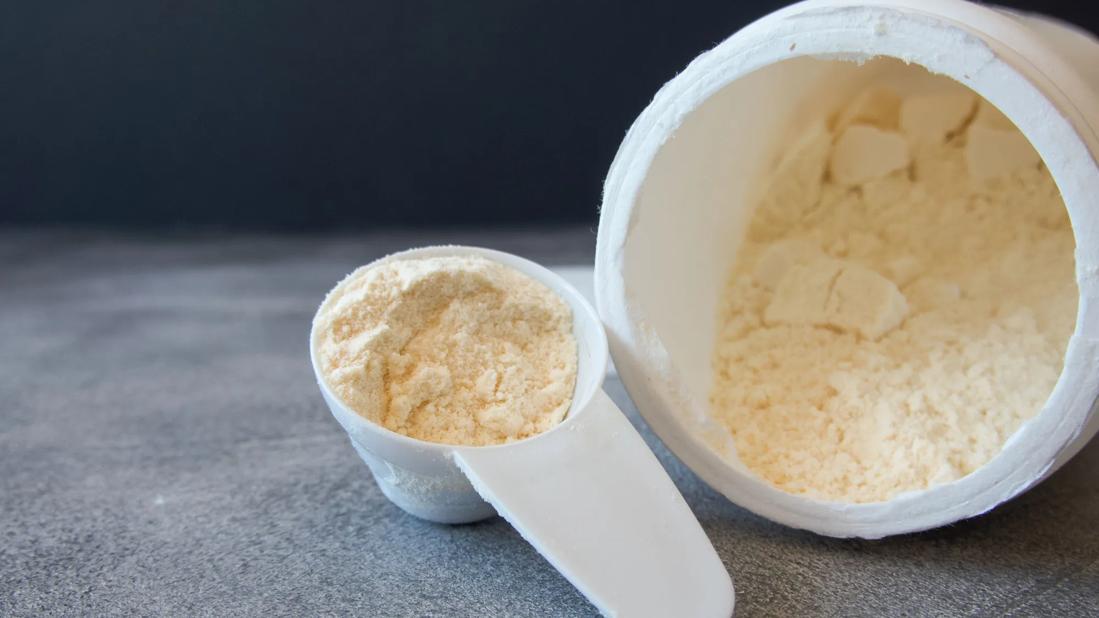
(164, 450)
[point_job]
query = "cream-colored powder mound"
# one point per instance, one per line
(457, 350)
(889, 330)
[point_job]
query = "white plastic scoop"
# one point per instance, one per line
(588, 494)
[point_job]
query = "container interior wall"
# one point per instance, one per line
(701, 189)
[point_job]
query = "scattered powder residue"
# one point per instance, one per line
(458, 350)
(901, 303)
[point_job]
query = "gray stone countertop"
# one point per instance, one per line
(164, 451)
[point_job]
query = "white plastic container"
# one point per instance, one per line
(684, 182)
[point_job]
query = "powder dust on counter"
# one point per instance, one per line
(456, 350)
(901, 303)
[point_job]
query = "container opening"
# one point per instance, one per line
(942, 256)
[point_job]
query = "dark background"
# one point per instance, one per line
(310, 115)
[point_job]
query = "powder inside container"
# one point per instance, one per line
(901, 303)
(457, 350)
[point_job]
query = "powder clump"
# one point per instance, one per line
(457, 350)
(901, 303)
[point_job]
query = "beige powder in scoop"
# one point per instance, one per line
(457, 350)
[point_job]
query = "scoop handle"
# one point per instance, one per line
(594, 501)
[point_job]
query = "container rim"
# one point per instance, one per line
(998, 58)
